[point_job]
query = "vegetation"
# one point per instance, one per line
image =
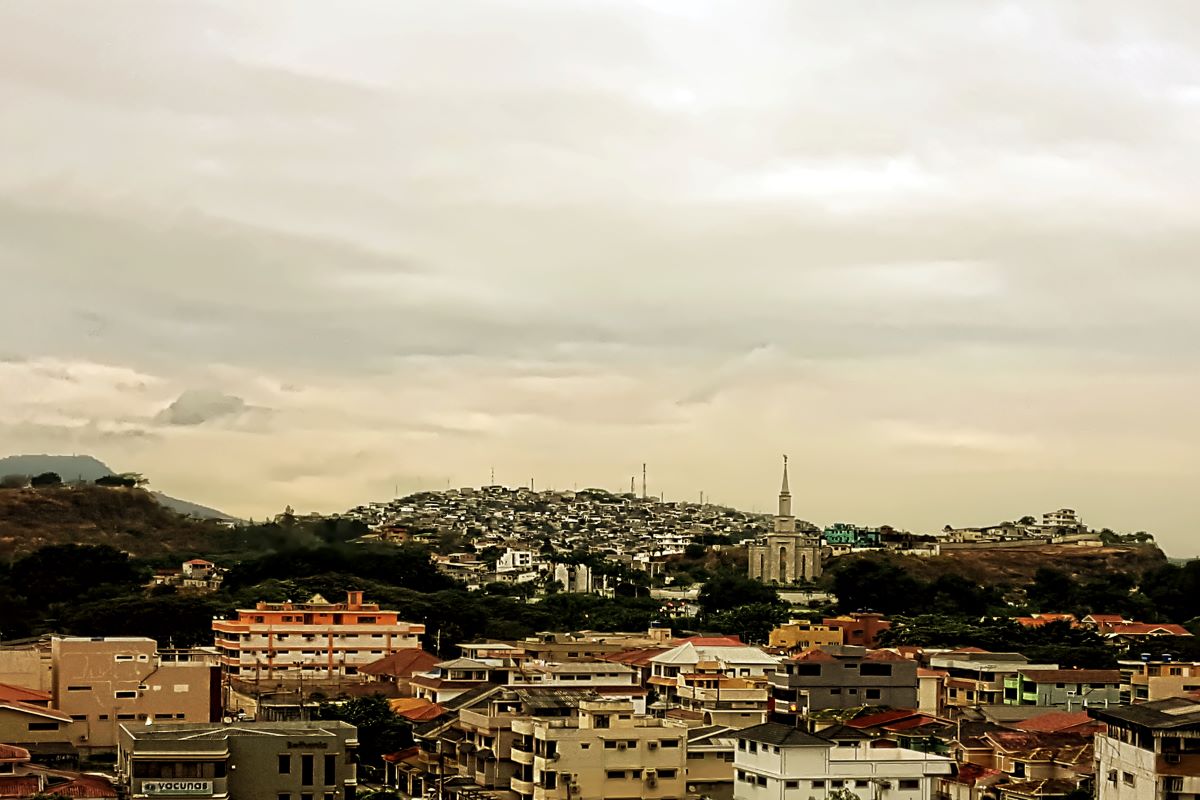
(380, 731)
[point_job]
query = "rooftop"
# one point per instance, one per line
(782, 736)
(185, 731)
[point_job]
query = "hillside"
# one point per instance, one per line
(87, 468)
(128, 519)
(1017, 565)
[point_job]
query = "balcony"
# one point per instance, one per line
(521, 787)
(524, 757)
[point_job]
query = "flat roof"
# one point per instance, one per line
(190, 731)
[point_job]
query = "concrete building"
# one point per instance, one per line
(515, 560)
(1064, 519)
(786, 556)
(256, 760)
(1072, 689)
(842, 676)
(1149, 678)
(313, 641)
(780, 762)
(976, 677)
(804, 635)
(717, 656)
(605, 752)
(710, 762)
(103, 682)
(861, 628)
(1151, 750)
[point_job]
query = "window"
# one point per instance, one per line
(872, 694)
(875, 670)
(43, 726)
(602, 721)
(791, 784)
(808, 669)
(837, 690)
(666, 773)
(283, 796)
(285, 764)
(909, 783)
(79, 688)
(669, 743)
(125, 694)
(610, 744)
(615, 774)
(818, 784)
(550, 780)
(1127, 778)
(306, 796)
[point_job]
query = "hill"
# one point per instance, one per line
(1017, 565)
(128, 519)
(86, 468)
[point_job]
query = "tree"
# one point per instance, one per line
(45, 479)
(753, 622)
(380, 730)
(14, 481)
(729, 591)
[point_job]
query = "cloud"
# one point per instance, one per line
(197, 406)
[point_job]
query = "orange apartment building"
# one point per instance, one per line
(316, 640)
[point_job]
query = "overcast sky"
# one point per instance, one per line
(943, 254)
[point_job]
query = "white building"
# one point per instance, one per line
(779, 762)
(711, 656)
(1151, 750)
(1062, 518)
(515, 561)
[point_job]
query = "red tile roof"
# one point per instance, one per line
(882, 718)
(19, 786)
(11, 693)
(883, 655)
(1146, 629)
(402, 664)
(636, 658)
(10, 752)
(1057, 721)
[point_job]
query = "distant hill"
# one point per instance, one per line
(87, 468)
(128, 519)
(1016, 566)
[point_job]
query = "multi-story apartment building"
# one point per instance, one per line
(804, 635)
(842, 676)
(312, 641)
(606, 751)
(1072, 689)
(711, 698)
(1150, 679)
(104, 682)
(780, 762)
(976, 677)
(614, 681)
(1151, 750)
(259, 760)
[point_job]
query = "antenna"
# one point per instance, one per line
(643, 480)
(493, 483)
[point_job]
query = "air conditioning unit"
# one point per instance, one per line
(622, 746)
(652, 745)
(652, 782)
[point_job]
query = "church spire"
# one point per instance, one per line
(785, 495)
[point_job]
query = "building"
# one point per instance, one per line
(779, 762)
(103, 682)
(786, 556)
(313, 641)
(515, 561)
(1063, 688)
(976, 677)
(709, 697)
(710, 751)
(21, 778)
(850, 536)
(842, 676)
(804, 635)
(721, 656)
(862, 629)
(260, 760)
(606, 751)
(1151, 750)
(1150, 679)
(1064, 519)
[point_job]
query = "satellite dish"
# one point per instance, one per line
(227, 720)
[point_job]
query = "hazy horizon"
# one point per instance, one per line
(297, 253)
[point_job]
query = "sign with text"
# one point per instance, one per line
(177, 788)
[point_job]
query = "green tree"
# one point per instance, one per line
(727, 591)
(380, 730)
(45, 479)
(753, 622)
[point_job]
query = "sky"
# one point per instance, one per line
(942, 254)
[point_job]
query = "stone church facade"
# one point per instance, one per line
(786, 556)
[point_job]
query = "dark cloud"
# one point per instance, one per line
(197, 406)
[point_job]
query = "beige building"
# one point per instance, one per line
(605, 752)
(804, 635)
(1157, 679)
(786, 556)
(101, 683)
(312, 641)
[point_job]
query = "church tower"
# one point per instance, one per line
(785, 556)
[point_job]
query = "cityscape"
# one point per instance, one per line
(567, 400)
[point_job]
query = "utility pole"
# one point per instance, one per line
(643, 480)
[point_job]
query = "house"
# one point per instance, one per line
(399, 667)
(776, 762)
(803, 635)
(976, 677)
(725, 656)
(861, 629)
(1069, 688)
(842, 676)
(1150, 678)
